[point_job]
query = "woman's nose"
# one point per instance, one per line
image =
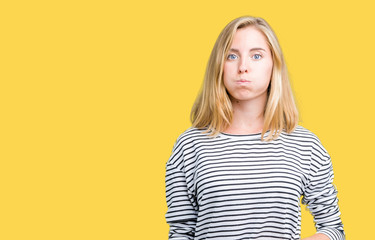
(243, 67)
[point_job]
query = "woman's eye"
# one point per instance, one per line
(232, 56)
(257, 56)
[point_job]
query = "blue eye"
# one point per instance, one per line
(231, 57)
(257, 56)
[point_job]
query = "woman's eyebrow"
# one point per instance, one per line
(253, 49)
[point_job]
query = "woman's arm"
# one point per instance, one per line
(182, 213)
(320, 196)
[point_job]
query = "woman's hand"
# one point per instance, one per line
(317, 236)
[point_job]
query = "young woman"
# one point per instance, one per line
(240, 170)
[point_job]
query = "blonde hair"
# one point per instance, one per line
(213, 109)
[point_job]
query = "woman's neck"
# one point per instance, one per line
(248, 117)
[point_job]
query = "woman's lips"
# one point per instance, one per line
(243, 81)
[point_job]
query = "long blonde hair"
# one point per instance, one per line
(213, 109)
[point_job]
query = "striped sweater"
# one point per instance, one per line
(234, 187)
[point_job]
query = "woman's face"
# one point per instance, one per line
(248, 65)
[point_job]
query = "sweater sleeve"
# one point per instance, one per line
(320, 195)
(181, 214)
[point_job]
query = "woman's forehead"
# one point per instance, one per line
(249, 37)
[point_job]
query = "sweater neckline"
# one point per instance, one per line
(244, 136)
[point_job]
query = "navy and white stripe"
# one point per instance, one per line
(236, 187)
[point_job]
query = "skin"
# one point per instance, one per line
(250, 59)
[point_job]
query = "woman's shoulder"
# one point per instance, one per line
(303, 134)
(191, 134)
(186, 143)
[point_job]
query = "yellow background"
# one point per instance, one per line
(95, 93)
